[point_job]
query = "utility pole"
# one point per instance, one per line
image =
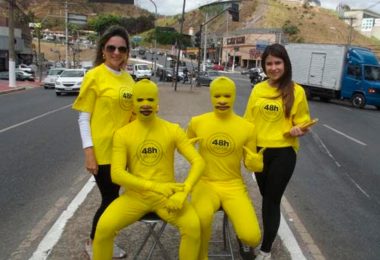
(349, 38)
(179, 43)
(154, 55)
(11, 48)
(67, 35)
(205, 46)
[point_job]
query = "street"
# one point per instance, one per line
(333, 191)
(41, 166)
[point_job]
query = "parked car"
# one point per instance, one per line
(5, 76)
(25, 68)
(205, 77)
(53, 74)
(217, 67)
(25, 75)
(69, 81)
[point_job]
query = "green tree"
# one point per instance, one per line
(101, 23)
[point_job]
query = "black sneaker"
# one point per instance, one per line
(246, 252)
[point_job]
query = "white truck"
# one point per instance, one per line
(141, 71)
(331, 71)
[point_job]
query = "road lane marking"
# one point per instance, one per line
(54, 234)
(34, 118)
(287, 235)
(345, 135)
(317, 138)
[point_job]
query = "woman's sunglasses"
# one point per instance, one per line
(112, 48)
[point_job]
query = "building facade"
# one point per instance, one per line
(364, 21)
(22, 41)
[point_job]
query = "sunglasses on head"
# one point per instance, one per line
(112, 48)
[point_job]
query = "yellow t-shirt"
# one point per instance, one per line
(108, 97)
(147, 151)
(265, 109)
(221, 145)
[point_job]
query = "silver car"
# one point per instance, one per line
(49, 81)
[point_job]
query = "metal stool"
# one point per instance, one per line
(227, 242)
(151, 220)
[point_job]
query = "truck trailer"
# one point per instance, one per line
(331, 71)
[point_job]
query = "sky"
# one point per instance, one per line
(172, 7)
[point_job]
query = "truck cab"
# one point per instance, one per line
(141, 71)
(361, 78)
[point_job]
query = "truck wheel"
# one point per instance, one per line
(324, 99)
(358, 100)
(378, 107)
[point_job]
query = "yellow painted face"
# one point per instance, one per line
(145, 99)
(223, 93)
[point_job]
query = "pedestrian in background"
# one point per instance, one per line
(276, 106)
(223, 137)
(105, 105)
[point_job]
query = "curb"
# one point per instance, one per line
(11, 90)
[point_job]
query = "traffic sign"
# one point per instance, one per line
(77, 19)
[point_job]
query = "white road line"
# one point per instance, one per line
(288, 238)
(347, 136)
(34, 118)
(51, 238)
(339, 165)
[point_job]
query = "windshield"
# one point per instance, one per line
(213, 73)
(54, 72)
(142, 67)
(72, 73)
(372, 73)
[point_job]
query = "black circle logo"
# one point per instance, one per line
(220, 144)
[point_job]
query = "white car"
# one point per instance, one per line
(69, 81)
(26, 68)
(53, 74)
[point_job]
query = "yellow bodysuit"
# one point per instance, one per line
(143, 163)
(222, 136)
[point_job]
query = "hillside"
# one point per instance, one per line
(45, 8)
(314, 24)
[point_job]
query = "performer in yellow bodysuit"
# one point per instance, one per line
(223, 134)
(143, 163)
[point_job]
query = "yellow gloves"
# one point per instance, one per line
(254, 161)
(166, 188)
(175, 202)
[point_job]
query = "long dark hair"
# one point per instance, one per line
(112, 31)
(285, 84)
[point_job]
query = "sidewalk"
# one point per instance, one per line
(20, 85)
(176, 106)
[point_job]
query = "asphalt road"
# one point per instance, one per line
(335, 187)
(333, 190)
(41, 166)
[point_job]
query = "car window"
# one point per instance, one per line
(55, 72)
(142, 67)
(72, 73)
(213, 73)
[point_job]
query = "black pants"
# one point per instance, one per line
(108, 190)
(279, 165)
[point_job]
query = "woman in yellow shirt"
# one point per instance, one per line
(276, 106)
(105, 105)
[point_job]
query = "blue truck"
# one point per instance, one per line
(331, 71)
